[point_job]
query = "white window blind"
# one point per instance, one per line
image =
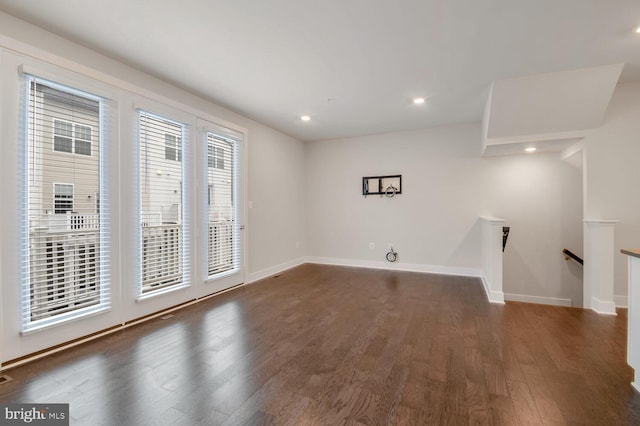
(163, 225)
(223, 228)
(65, 239)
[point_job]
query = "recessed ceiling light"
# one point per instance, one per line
(418, 101)
(530, 149)
(637, 29)
(305, 118)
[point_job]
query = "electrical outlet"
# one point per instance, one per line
(372, 245)
(297, 244)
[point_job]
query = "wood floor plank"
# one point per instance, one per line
(332, 345)
(523, 402)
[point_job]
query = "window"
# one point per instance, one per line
(161, 205)
(62, 136)
(222, 249)
(65, 239)
(62, 198)
(82, 139)
(210, 157)
(172, 148)
(220, 158)
(71, 137)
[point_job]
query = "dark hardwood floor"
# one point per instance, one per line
(333, 345)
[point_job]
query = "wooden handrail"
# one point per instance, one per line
(569, 254)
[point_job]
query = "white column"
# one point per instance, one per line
(492, 257)
(633, 319)
(598, 266)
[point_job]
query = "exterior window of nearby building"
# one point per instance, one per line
(220, 158)
(172, 147)
(210, 156)
(64, 237)
(71, 137)
(62, 198)
(82, 139)
(215, 157)
(62, 136)
(163, 236)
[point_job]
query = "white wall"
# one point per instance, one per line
(541, 198)
(276, 194)
(275, 159)
(434, 222)
(613, 175)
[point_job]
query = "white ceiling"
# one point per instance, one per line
(276, 60)
(548, 111)
(551, 103)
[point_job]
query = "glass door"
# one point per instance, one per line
(224, 210)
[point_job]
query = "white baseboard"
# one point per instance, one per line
(485, 285)
(554, 301)
(621, 301)
(407, 267)
(603, 307)
(493, 296)
(267, 272)
(496, 297)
